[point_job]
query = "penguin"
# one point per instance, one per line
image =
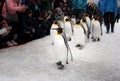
(60, 48)
(73, 20)
(68, 29)
(83, 24)
(96, 29)
(88, 23)
(79, 35)
(53, 31)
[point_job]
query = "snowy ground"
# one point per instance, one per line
(35, 61)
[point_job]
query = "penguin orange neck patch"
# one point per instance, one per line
(76, 25)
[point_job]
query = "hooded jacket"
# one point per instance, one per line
(109, 6)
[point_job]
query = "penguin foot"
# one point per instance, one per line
(69, 39)
(94, 40)
(78, 45)
(58, 63)
(98, 39)
(61, 67)
(81, 47)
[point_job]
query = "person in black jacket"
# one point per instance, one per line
(27, 29)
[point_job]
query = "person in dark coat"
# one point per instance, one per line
(27, 29)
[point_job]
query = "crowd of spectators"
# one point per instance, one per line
(33, 18)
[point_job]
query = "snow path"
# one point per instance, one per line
(35, 61)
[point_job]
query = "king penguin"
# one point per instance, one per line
(73, 20)
(79, 35)
(84, 25)
(68, 29)
(60, 49)
(96, 29)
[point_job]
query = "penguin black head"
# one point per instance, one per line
(73, 16)
(96, 17)
(78, 21)
(86, 15)
(55, 22)
(59, 30)
(83, 20)
(67, 19)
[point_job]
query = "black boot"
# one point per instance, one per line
(108, 28)
(112, 29)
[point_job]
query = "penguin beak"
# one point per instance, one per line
(54, 28)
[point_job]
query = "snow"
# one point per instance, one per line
(35, 61)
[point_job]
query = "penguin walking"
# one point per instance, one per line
(88, 23)
(68, 29)
(60, 49)
(79, 35)
(53, 32)
(96, 29)
(73, 20)
(83, 24)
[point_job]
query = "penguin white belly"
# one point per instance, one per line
(60, 48)
(68, 30)
(73, 20)
(79, 36)
(53, 32)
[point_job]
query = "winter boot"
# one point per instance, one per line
(112, 29)
(107, 27)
